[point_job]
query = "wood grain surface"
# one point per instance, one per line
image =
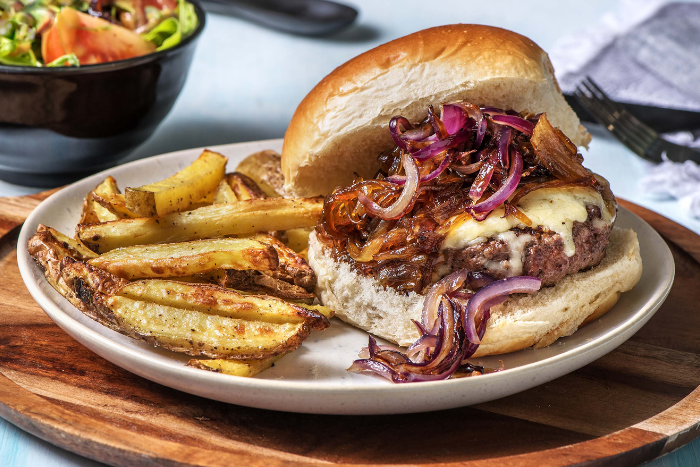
(634, 404)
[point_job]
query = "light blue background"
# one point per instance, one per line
(246, 81)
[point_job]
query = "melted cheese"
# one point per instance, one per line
(554, 209)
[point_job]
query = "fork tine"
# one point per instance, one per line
(620, 112)
(608, 120)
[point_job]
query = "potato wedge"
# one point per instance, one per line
(94, 213)
(187, 258)
(246, 368)
(218, 220)
(179, 192)
(47, 239)
(265, 169)
(244, 187)
(113, 203)
(324, 310)
(224, 193)
(255, 282)
(298, 239)
(223, 302)
(196, 333)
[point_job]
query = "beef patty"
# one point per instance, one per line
(542, 255)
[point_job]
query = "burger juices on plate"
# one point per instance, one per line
(460, 221)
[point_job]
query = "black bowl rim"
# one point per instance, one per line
(118, 64)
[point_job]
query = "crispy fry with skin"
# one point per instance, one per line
(94, 213)
(244, 187)
(216, 300)
(224, 193)
(113, 203)
(196, 333)
(187, 258)
(265, 169)
(181, 191)
(255, 282)
(243, 217)
(246, 368)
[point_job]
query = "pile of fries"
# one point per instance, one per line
(205, 263)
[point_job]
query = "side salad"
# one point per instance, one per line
(78, 32)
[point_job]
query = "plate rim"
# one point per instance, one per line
(148, 362)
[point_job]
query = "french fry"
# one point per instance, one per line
(224, 193)
(243, 217)
(298, 239)
(113, 203)
(324, 310)
(246, 368)
(196, 333)
(243, 187)
(94, 213)
(187, 258)
(265, 169)
(179, 192)
(255, 282)
(223, 302)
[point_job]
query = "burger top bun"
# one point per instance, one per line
(341, 126)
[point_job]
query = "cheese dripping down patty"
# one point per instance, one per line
(554, 209)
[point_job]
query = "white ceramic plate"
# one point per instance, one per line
(313, 379)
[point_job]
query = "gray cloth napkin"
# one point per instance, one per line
(646, 53)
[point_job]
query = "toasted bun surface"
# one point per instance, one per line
(341, 126)
(523, 321)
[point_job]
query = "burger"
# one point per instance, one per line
(459, 220)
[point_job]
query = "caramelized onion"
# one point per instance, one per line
(504, 139)
(507, 189)
(396, 133)
(437, 147)
(401, 179)
(468, 169)
(556, 152)
(518, 123)
(483, 179)
(404, 201)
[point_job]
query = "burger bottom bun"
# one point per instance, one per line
(523, 321)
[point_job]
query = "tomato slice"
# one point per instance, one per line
(51, 45)
(92, 40)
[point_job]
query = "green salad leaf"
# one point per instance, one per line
(166, 34)
(65, 60)
(170, 32)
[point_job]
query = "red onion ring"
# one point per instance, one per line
(482, 180)
(396, 133)
(468, 169)
(492, 110)
(504, 137)
(518, 123)
(401, 179)
(449, 283)
(507, 189)
(438, 147)
(453, 117)
(404, 201)
(493, 294)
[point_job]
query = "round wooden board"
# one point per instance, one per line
(632, 405)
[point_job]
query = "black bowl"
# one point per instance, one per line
(61, 124)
